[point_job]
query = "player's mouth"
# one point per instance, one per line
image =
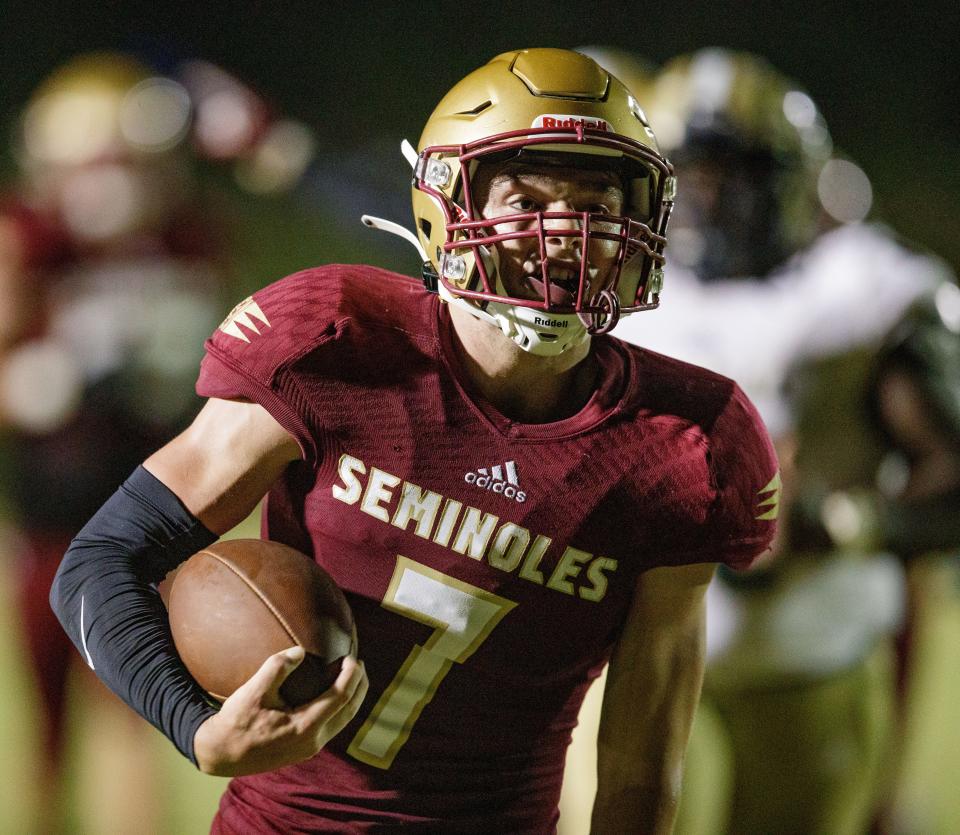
(564, 280)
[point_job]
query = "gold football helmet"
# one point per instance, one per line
(636, 72)
(103, 105)
(542, 107)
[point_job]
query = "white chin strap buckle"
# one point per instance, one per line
(537, 332)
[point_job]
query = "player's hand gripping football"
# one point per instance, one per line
(254, 732)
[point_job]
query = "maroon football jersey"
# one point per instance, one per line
(489, 563)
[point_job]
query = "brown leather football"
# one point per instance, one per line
(236, 602)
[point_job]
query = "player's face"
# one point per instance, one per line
(524, 189)
(725, 225)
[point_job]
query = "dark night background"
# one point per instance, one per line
(364, 75)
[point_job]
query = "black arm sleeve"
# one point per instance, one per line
(105, 597)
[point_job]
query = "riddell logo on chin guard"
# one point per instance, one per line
(559, 120)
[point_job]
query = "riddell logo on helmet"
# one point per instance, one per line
(549, 323)
(557, 120)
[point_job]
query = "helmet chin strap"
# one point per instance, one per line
(521, 325)
(394, 229)
(410, 154)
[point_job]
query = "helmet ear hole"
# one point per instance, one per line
(426, 227)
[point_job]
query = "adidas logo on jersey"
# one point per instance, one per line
(499, 479)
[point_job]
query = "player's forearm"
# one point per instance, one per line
(625, 804)
(638, 785)
(653, 687)
(105, 600)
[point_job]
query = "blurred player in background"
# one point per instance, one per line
(799, 673)
(508, 496)
(914, 400)
(112, 270)
(774, 281)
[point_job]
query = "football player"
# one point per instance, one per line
(799, 685)
(509, 497)
(109, 277)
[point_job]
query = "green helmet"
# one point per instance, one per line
(732, 123)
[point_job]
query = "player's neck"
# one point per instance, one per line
(524, 387)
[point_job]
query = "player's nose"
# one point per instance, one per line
(562, 234)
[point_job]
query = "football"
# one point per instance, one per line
(238, 601)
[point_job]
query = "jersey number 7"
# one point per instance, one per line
(462, 616)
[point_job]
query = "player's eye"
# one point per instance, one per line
(602, 205)
(523, 203)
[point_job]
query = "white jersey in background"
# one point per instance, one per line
(843, 292)
(846, 290)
